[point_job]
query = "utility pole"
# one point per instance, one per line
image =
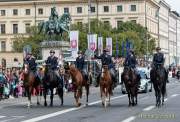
(89, 11)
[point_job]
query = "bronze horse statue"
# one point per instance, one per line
(159, 78)
(130, 80)
(78, 81)
(31, 82)
(105, 86)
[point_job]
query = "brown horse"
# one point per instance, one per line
(105, 86)
(30, 82)
(78, 81)
(130, 80)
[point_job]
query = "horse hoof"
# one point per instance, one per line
(45, 104)
(38, 103)
(86, 104)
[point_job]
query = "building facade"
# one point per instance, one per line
(172, 38)
(17, 16)
(178, 40)
(164, 29)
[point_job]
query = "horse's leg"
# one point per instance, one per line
(37, 93)
(51, 97)
(45, 93)
(105, 97)
(87, 93)
(109, 95)
(60, 94)
(129, 96)
(29, 96)
(101, 93)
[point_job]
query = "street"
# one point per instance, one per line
(16, 109)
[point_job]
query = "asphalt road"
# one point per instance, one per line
(16, 110)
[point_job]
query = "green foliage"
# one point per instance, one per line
(135, 33)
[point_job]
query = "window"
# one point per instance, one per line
(119, 8)
(28, 11)
(133, 7)
(93, 9)
(15, 28)
(3, 46)
(79, 9)
(119, 23)
(66, 10)
(27, 27)
(106, 8)
(3, 28)
(134, 21)
(3, 13)
(15, 12)
(40, 11)
(79, 24)
(106, 23)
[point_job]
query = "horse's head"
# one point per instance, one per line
(104, 70)
(26, 68)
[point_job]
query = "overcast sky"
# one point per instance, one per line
(175, 4)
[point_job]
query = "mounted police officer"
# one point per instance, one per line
(80, 62)
(131, 62)
(52, 60)
(31, 61)
(158, 61)
(107, 60)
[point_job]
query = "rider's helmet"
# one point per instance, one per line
(158, 48)
(105, 50)
(52, 51)
(79, 52)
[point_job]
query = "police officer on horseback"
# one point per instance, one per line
(107, 60)
(31, 61)
(158, 61)
(80, 61)
(131, 62)
(52, 61)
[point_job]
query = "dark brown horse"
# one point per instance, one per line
(130, 80)
(105, 86)
(30, 82)
(78, 81)
(159, 78)
(50, 81)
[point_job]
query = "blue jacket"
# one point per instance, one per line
(32, 63)
(106, 60)
(80, 63)
(130, 61)
(53, 62)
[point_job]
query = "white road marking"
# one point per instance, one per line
(129, 119)
(65, 111)
(2, 117)
(174, 95)
(149, 108)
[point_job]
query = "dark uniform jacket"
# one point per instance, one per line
(80, 63)
(106, 60)
(53, 62)
(32, 63)
(158, 59)
(130, 61)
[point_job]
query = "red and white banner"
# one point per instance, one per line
(92, 41)
(100, 45)
(74, 39)
(109, 45)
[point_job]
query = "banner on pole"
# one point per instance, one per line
(109, 45)
(100, 45)
(74, 39)
(92, 41)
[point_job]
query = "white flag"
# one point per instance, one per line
(100, 45)
(92, 41)
(109, 45)
(74, 40)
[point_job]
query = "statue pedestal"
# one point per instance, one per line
(61, 48)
